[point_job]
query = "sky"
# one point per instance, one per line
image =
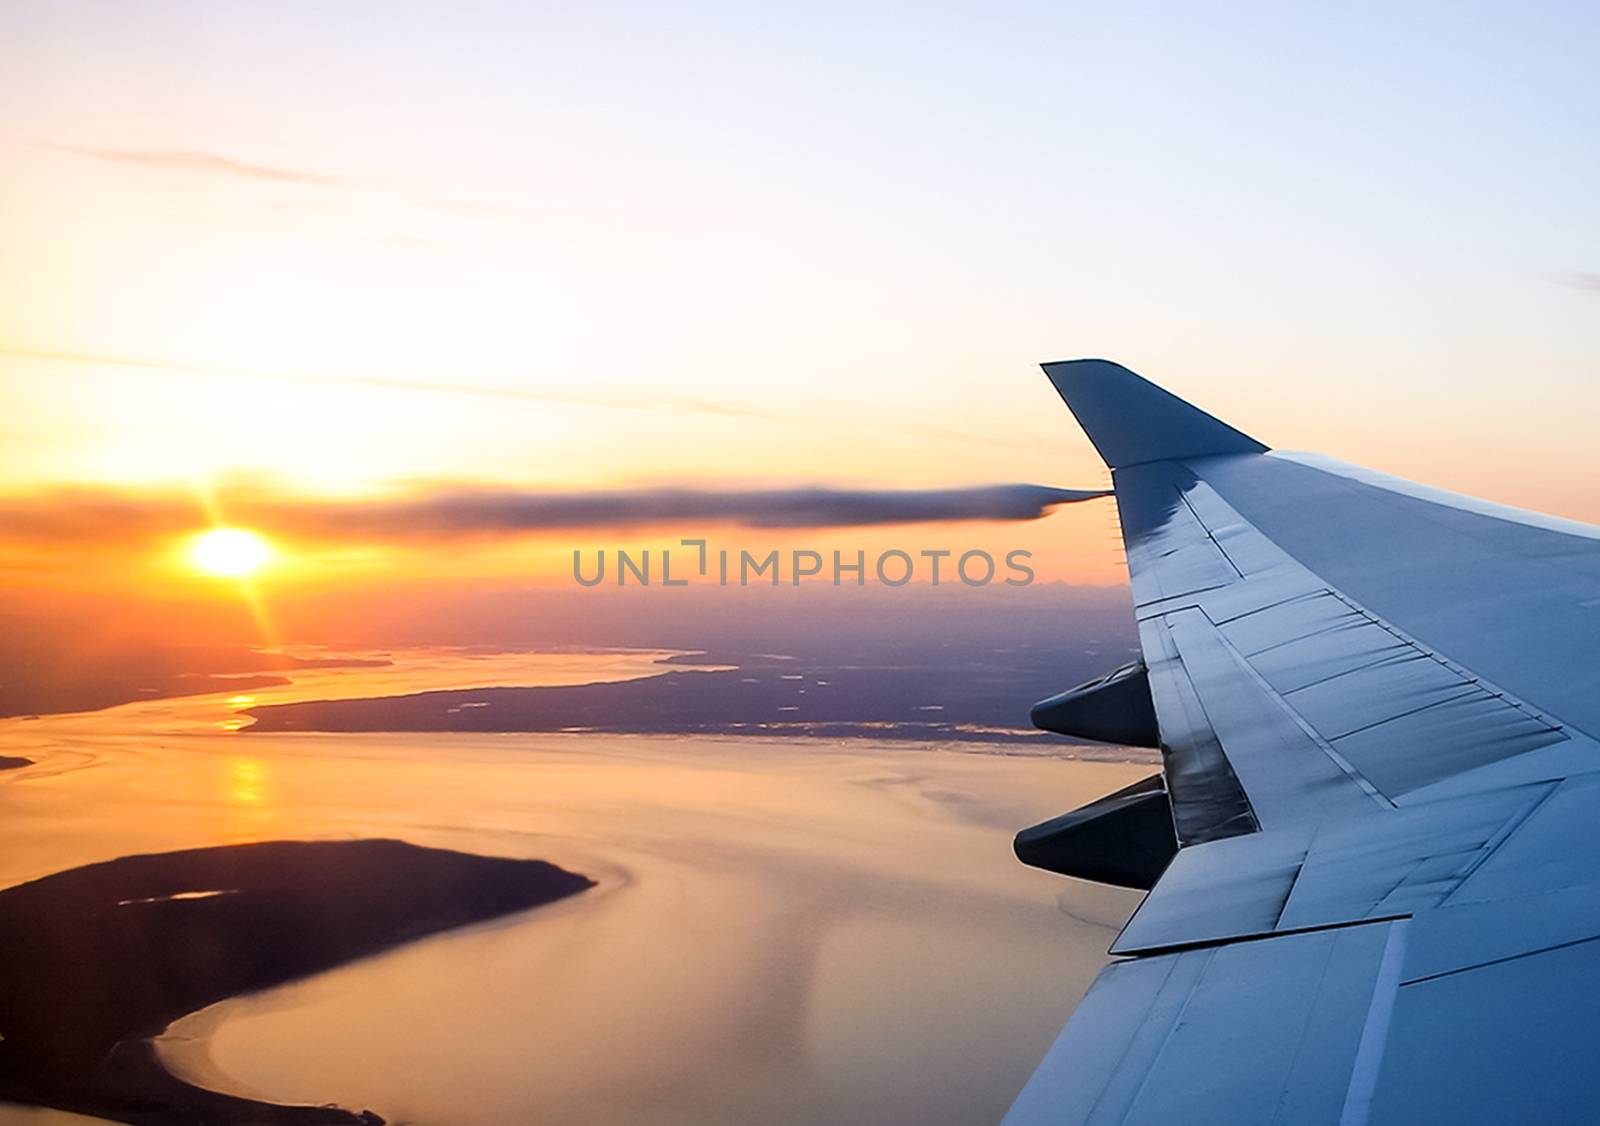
(361, 250)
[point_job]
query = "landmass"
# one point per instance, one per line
(963, 697)
(14, 762)
(95, 962)
(42, 673)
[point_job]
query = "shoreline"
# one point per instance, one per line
(137, 943)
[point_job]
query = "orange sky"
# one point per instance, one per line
(346, 255)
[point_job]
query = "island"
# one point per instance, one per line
(95, 962)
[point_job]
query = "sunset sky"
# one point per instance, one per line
(365, 249)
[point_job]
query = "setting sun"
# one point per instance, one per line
(232, 553)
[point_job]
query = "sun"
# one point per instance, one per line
(229, 553)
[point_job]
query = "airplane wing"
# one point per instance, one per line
(1379, 808)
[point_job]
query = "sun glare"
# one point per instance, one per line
(229, 553)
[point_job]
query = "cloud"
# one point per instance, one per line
(625, 401)
(203, 162)
(83, 515)
(1590, 283)
(492, 511)
(646, 401)
(183, 160)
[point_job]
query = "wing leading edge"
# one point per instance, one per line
(1377, 706)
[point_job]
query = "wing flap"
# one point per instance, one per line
(1207, 801)
(1504, 1041)
(1338, 872)
(1288, 774)
(1268, 1031)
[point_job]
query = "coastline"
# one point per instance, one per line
(97, 961)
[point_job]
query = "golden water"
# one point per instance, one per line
(785, 930)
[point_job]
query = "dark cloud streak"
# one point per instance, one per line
(452, 513)
(482, 511)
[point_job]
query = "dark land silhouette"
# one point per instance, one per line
(14, 762)
(98, 960)
(970, 694)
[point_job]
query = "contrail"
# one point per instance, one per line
(455, 512)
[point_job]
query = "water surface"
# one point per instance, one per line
(785, 930)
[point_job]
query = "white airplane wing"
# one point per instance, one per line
(1377, 826)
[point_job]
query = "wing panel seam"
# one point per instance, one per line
(1375, 1032)
(1344, 764)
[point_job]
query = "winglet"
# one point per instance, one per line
(1130, 420)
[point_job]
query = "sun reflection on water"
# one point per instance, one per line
(247, 781)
